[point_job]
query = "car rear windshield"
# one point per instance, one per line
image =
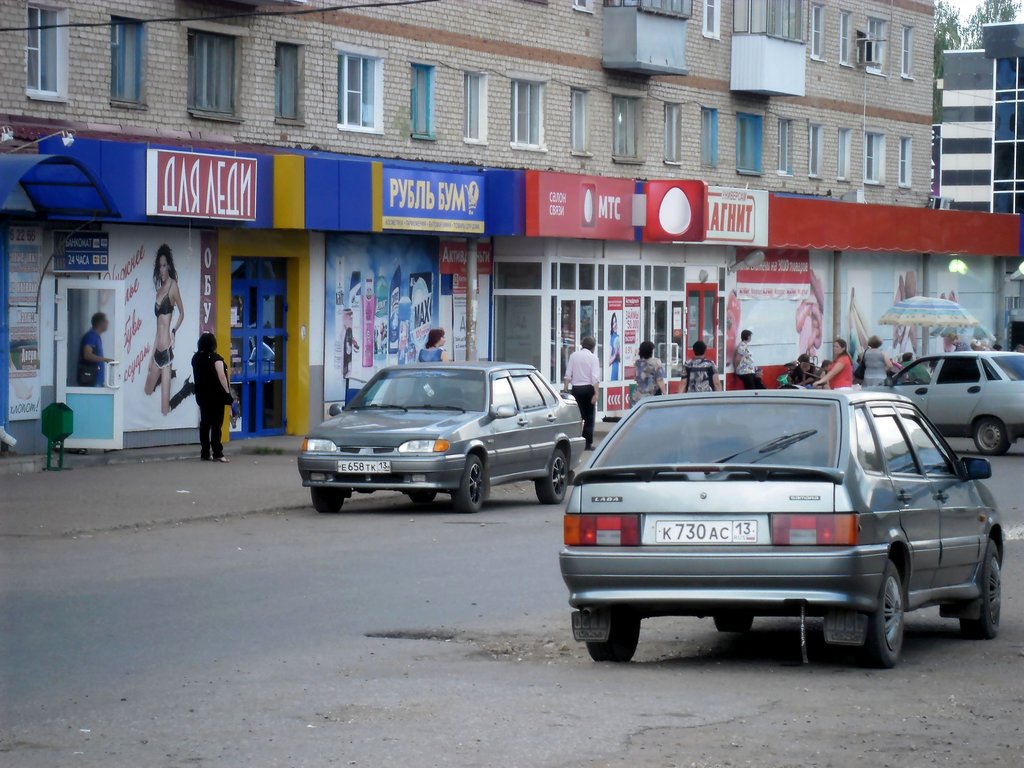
(1012, 365)
(424, 388)
(803, 434)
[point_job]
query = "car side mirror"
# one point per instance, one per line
(977, 469)
(504, 412)
(334, 410)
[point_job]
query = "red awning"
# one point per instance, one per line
(824, 224)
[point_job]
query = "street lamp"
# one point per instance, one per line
(7, 134)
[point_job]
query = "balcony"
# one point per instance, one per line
(646, 37)
(767, 65)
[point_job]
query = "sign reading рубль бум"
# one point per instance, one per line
(429, 201)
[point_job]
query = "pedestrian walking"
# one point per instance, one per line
(213, 394)
(743, 363)
(434, 352)
(582, 376)
(877, 364)
(699, 373)
(90, 353)
(650, 374)
(840, 370)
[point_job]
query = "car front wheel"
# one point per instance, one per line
(986, 626)
(885, 624)
(622, 638)
(327, 501)
(551, 487)
(469, 497)
(990, 436)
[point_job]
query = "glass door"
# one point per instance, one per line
(702, 318)
(258, 342)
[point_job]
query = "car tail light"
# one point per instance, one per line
(815, 530)
(602, 530)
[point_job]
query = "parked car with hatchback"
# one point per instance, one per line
(846, 506)
(969, 394)
(456, 428)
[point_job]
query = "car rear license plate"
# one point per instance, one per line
(365, 467)
(591, 625)
(705, 532)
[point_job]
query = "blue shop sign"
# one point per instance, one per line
(428, 201)
(81, 251)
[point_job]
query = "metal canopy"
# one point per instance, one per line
(51, 186)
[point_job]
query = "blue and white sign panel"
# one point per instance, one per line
(428, 201)
(81, 251)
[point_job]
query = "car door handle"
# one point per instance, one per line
(522, 422)
(974, 390)
(921, 391)
(941, 496)
(904, 497)
(552, 417)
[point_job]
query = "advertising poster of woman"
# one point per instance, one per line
(169, 310)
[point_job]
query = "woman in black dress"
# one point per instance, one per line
(213, 394)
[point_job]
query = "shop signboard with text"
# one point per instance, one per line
(586, 207)
(737, 217)
(687, 211)
(24, 251)
(200, 185)
(416, 200)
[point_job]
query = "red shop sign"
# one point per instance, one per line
(200, 186)
(588, 207)
(453, 257)
(675, 211)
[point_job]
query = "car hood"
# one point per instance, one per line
(390, 428)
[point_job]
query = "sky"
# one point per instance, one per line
(967, 7)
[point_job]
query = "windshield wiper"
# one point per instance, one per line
(426, 407)
(764, 450)
(375, 406)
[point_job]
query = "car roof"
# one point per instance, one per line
(488, 366)
(848, 396)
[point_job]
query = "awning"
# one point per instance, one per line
(51, 186)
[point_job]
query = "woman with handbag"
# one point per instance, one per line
(650, 374)
(213, 394)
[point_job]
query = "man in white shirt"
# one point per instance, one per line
(582, 375)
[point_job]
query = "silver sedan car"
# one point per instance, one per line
(456, 428)
(850, 507)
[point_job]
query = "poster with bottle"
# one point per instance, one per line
(354, 318)
(405, 341)
(393, 307)
(380, 322)
(421, 294)
(340, 305)
(369, 308)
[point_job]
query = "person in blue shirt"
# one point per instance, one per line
(434, 351)
(90, 353)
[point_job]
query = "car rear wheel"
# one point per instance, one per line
(986, 626)
(885, 624)
(622, 638)
(422, 497)
(990, 436)
(327, 501)
(551, 487)
(469, 497)
(734, 622)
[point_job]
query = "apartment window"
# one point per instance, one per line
(709, 137)
(474, 86)
(905, 147)
(359, 89)
(748, 143)
(814, 149)
(817, 31)
(785, 147)
(126, 56)
(711, 18)
(877, 31)
(907, 59)
(624, 128)
(874, 158)
(578, 119)
(286, 81)
(211, 72)
(583, 5)
(527, 113)
(778, 18)
(672, 112)
(843, 155)
(46, 53)
(844, 37)
(421, 98)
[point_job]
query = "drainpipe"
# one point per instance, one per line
(471, 298)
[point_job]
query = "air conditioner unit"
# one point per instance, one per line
(867, 51)
(941, 203)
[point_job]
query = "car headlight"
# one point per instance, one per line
(317, 445)
(424, 446)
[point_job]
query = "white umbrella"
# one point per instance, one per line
(925, 310)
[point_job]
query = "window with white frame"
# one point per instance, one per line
(907, 58)
(421, 101)
(843, 143)
(905, 151)
(211, 72)
(845, 25)
(778, 18)
(578, 119)
(874, 158)
(711, 18)
(817, 34)
(286, 81)
(624, 126)
(527, 113)
(878, 30)
(785, 166)
(127, 49)
(474, 91)
(583, 5)
(360, 103)
(672, 113)
(815, 140)
(709, 137)
(46, 53)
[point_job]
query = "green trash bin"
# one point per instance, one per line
(58, 424)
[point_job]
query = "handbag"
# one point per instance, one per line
(858, 372)
(86, 374)
(227, 397)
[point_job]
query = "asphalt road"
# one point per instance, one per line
(209, 634)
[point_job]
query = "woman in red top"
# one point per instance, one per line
(840, 375)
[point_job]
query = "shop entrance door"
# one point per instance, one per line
(573, 321)
(258, 340)
(97, 406)
(702, 318)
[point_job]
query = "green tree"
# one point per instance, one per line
(948, 37)
(988, 12)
